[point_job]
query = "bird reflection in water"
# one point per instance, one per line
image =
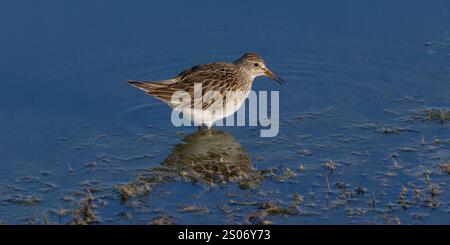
(212, 157)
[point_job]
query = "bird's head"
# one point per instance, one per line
(255, 66)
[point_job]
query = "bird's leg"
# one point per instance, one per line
(209, 129)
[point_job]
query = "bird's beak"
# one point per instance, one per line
(272, 75)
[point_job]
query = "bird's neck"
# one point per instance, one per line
(247, 75)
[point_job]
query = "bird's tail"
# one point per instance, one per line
(159, 89)
(148, 86)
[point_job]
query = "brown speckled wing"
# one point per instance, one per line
(220, 77)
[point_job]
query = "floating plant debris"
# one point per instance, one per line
(441, 115)
(163, 220)
(24, 200)
(446, 167)
(194, 209)
(85, 214)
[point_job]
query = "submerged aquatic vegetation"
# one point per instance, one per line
(194, 209)
(434, 190)
(444, 116)
(417, 193)
(446, 167)
(163, 220)
(330, 165)
(269, 208)
(392, 219)
(427, 176)
(287, 174)
(301, 168)
(132, 189)
(125, 215)
(360, 190)
(355, 211)
(373, 201)
(24, 200)
(389, 130)
(402, 198)
(85, 214)
(299, 199)
(276, 209)
(441, 115)
(257, 219)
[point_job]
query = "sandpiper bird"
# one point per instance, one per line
(216, 80)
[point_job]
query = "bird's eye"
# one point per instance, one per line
(256, 64)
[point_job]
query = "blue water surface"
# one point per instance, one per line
(364, 134)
